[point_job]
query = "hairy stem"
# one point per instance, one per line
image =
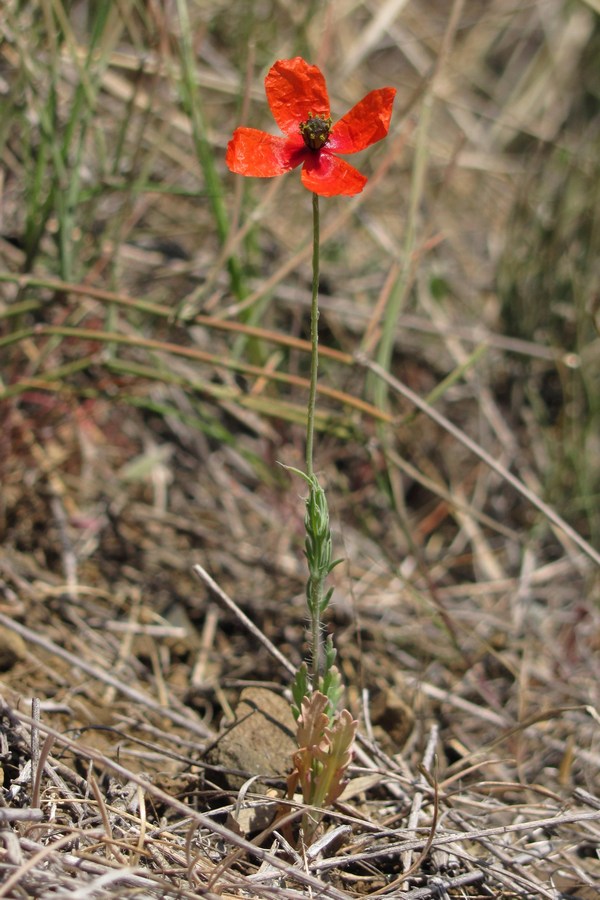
(315, 589)
(314, 339)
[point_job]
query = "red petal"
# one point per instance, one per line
(327, 175)
(294, 91)
(366, 123)
(262, 155)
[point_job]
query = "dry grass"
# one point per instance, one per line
(153, 371)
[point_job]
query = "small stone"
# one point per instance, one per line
(260, 741)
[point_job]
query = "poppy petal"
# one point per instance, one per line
(366, 123)
(325, 174)
(261, 155)
(295, 90)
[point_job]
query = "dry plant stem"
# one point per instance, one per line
(186, 721)
(32, 862)
(407, 273)
(473, 335)
(92, 334)
(212, 585)
(466, 441)
(162, 797)
(41, 762)
(428, 763)
(35, 745)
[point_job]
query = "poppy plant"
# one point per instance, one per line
(298, 98)
(297, 95)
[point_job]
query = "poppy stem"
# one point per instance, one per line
(323, 676)
(315, 587)
(315, 584)
(314, 339)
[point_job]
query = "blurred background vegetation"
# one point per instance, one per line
(137, 272)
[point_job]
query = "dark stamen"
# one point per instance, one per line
(315, 131)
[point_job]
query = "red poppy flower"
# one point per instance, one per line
(298, 98)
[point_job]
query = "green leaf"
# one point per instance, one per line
(300, 689)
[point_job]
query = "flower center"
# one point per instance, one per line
(315, 131)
